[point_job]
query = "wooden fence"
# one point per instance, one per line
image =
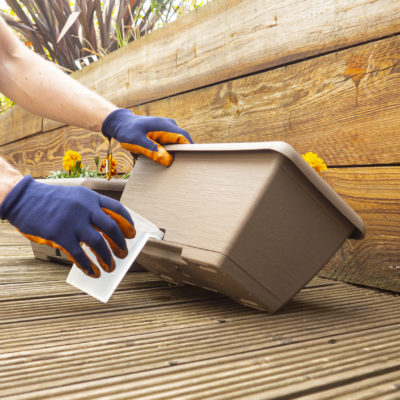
(322, 75)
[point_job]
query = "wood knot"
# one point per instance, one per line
(355, 69)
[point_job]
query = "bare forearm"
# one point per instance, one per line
(42, 88)
(9, 177)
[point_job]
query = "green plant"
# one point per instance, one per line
(73, 167)
(77, 171)
(66, 31)
(126, 175)
(5, 103)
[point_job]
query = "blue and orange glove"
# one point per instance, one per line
(145, 135)
(63, 217)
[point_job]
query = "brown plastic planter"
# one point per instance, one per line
(112, 188)
(253, 221)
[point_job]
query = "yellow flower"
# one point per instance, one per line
(317, 163)
(70, 158)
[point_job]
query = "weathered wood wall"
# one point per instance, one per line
(322, 75)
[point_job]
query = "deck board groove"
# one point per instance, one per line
(157, 341)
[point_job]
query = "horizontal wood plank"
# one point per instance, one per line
(250, 369)
(13, 237)
(227, 39)
(342, 106)
(380, 387)
(374, 193)
(345, 106)
(16, 123)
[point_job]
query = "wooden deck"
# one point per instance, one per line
(155, 341)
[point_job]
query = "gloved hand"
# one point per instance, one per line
(144, 135)
(63, 217)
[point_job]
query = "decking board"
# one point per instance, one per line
(157, 341)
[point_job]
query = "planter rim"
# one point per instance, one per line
(91, 183)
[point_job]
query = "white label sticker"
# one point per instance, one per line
(103, 287)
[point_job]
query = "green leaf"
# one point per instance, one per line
(126, 176)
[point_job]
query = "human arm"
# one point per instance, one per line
(42, 88)
(34, 208)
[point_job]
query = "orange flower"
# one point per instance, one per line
(70, 158)
(113, 166)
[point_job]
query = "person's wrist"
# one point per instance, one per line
(114, 121)
(9, 206)
(10, 177)
(103, 114)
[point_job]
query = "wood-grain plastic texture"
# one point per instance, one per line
(253, 221)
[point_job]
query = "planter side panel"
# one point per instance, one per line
(254, 209)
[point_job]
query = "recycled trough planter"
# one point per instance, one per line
(252, 221)
(112, 188)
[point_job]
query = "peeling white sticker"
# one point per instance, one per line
(103, 287)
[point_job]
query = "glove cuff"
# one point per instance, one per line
(111, 124)
(14, 195)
